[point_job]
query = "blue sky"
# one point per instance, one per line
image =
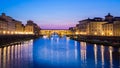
(58, 14)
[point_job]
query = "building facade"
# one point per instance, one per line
(10, 22)
(32, 28)
(108, 29)
(110, 26)
(3, 26)
(84, 26)
(116, 28)
(8, 25)
(19, 27)
(95, 26)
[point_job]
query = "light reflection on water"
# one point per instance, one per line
(17, 56)
(59, 52)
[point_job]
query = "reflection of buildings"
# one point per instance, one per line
(111, 60)
(95, 53)
(17, 56)
(83, 51)
(76, 53)
(110, 26)
(103, 56)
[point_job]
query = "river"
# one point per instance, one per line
(56, 52)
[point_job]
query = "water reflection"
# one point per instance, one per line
(76, 50)
(95, 54)
(102, 55)
(83, 52)
(59, 52)
(16, 56)
(111, 60)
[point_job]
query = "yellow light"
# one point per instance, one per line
(76, 33)
(16, 32)
(95, 33)
(102, 33)
(83, 33)
(11, 32)
(26, 33)
(4, 32)
(23, 32)
(111, 33)
(8, 32)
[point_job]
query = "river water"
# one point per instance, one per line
(56, 52)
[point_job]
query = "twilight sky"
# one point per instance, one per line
(58, 14)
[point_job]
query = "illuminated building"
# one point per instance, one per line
(108, 29)
(32, 28)
(3, 25)
(110, 26)
(95, 26)
(76, 29)
(10, 23)
(19, 27)
(116, 28)
(84, 26)
(91, 26)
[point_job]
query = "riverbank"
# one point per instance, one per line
(15, 39)
(101, 40)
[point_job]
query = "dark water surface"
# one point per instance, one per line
(60, 53)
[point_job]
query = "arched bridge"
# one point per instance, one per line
(60, 32)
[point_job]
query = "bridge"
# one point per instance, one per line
(60, 32)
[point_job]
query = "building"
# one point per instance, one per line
(116, 26)
(109, 26)
(19, 27)
(95, 26)
(32, 28)
(91, 26)
(3, 26)
(76, 29)
(109, 18)
(108, 29)
(10, 23)
(84, 26)
(73, 30)
(112, 27)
